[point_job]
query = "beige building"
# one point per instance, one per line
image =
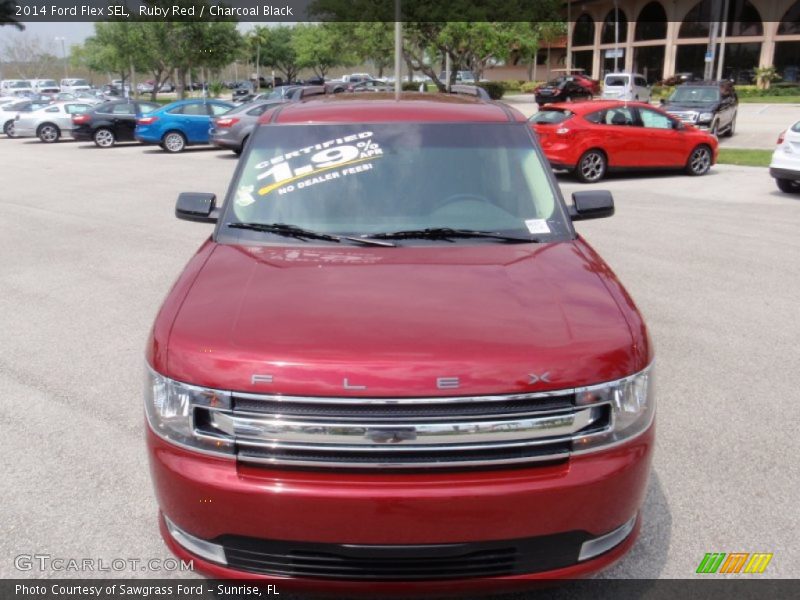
(661, 38)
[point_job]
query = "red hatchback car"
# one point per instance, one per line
(394, 367)
(592, 138)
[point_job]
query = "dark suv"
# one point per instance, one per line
(708, 105)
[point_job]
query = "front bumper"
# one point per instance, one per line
(586, 497)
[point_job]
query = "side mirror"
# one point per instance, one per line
(594, 204)
(197, 206)
(662, 102)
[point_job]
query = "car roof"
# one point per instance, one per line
(590, 106)
(384, 107)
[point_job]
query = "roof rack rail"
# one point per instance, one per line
(470, 90)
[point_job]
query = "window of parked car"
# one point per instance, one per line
(695, 94)
(619, 116)
(76, 109)
(259, 110)
(617, 81)
(195, 109)
(655, 120)
(218, 109)
(145, 108)
(551, 116)
(124, 109)
(640, 81)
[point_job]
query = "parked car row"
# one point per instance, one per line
(589, 138)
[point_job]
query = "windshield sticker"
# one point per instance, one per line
(319, 163)
(537, 226)
(244, 195)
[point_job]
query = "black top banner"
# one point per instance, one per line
(287, 11)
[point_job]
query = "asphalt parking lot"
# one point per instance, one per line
(90, 247)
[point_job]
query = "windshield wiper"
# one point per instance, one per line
(301, 233)
(446, 233)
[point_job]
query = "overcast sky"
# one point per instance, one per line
(73, 33)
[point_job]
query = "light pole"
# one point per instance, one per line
(64, 55)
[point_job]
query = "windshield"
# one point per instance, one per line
(47, 83)
(19, 84)
(76, 82)
(695, 94)
(359, 179)
(617, 81)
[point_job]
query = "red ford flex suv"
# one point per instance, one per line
(394, 366)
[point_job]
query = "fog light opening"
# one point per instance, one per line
(598, 546)
(202, 548)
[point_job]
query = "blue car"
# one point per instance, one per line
(180, 124)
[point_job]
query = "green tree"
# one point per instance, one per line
(322, 47)
(116, 47)
(274, 48)
(373, 42)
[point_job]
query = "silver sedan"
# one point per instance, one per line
(232, 129)
(49, 123)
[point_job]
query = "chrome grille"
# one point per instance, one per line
(402, 433)
(687, 116)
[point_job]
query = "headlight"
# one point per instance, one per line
(705, 117)
(170, 408)
(632, 402)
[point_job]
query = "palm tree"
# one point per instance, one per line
(8, 11)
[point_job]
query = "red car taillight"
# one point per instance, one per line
(781, 137)
(564, 131)
(227, 122)
(146, 120)
(80, 119)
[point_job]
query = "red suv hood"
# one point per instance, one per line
(359, 321)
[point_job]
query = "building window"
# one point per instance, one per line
(741, 61)
(790, 23)
(583, 60)
(743, 19)
(649, 61)
(690, 60)
(583, 32)
(607, 34)
(787, 60)
(652, 23)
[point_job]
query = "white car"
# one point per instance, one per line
(75, 85)
(9, 111)
(16, 87)
(45, 86)
(626, 86)
(50, 122)
(785, 164)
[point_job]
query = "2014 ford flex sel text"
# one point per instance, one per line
(394, 365)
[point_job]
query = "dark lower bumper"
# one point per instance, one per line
(784, 174)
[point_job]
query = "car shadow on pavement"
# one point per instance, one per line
(228, 156)
(567, 177)
(116, 146)
(189, 150)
